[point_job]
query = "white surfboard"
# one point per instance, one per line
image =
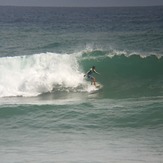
(94, 89)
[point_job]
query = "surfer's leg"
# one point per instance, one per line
(93, 81)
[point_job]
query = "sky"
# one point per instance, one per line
(81, 3)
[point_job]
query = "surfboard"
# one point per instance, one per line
(95, 89)
(98, 86)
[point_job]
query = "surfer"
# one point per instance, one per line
(89, 75)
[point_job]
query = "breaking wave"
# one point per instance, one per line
(122, 73)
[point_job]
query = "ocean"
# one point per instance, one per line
(50, 112)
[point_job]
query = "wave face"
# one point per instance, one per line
(122, 74)
(127, 74)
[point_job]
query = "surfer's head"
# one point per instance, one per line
(93, 67)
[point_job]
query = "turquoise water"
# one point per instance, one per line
(50, 113)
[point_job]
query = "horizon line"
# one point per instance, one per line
(81, 6)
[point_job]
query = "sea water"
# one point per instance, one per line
(47, 111)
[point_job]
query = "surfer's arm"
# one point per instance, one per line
(86, 73)
(96, 72)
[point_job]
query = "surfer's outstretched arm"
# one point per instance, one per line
(96, 72)
(86, 73)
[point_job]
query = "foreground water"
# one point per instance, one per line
(50, 113)
(88, 130)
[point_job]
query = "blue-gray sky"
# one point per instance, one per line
(81, 3)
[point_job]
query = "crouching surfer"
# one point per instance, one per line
(89, 75)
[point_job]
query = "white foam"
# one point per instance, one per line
(39, 73)
(113, 53)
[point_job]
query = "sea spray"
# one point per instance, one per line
(39, 73)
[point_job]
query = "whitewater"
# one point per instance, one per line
(50, 112)
(39, 73)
